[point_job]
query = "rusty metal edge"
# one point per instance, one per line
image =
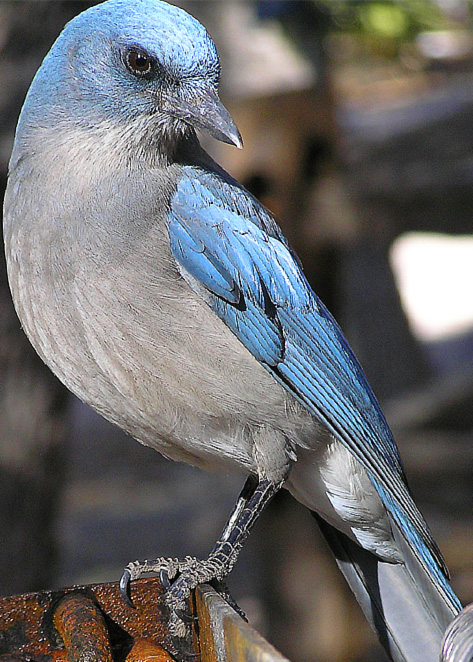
(225, 636)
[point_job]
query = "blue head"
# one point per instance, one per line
(127, 60)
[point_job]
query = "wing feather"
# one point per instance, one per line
(225, 242)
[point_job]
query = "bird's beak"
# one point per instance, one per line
(204, 110)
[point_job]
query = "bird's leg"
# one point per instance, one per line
(189, 572)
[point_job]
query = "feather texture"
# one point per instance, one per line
(289, 330)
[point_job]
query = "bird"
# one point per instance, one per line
(165, 296)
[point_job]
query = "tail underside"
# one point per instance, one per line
(406, 607)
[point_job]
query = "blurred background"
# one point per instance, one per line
(357, 118)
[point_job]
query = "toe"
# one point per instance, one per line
(125, 588)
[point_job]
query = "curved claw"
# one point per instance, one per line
(184, 653)
(164, 578)
(223, 590)
(125, 588)
(185, 616)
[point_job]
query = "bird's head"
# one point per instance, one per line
(134, 63)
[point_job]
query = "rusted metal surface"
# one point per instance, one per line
(86, 624)
(93, 624)
(83, 630)
(144, 650)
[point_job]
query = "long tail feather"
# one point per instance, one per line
(407, 609)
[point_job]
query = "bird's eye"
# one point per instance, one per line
(139, 62)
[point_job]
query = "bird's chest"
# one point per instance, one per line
(125, 333)
(102, 301)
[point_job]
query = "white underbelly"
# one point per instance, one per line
(330, 481)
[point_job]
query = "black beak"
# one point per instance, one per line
(203, 110)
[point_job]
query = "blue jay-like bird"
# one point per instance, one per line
(165, 296)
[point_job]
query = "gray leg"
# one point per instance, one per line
(190, 572)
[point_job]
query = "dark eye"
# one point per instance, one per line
(139, 62)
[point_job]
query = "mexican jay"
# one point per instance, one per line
(165, 296)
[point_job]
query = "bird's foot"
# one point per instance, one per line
(179, 578)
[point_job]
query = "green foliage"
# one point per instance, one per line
(387, 16)
(384, 25)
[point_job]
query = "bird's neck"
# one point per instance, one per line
(89, 149)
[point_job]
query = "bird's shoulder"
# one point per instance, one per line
(214, 189)
(218, 228)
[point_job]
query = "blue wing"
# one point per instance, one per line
(234, 255)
